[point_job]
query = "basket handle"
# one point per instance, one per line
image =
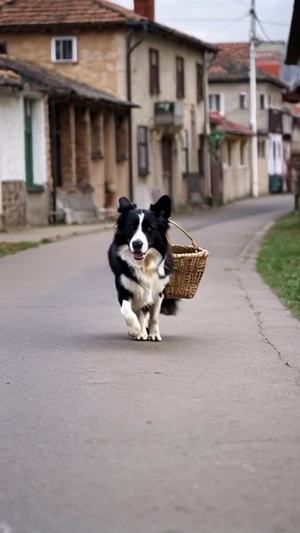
(173, 223)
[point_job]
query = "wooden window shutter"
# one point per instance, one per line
(180, 77)
(154, 81)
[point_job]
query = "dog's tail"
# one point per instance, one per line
(169, 307)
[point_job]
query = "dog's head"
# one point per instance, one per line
(141, 230)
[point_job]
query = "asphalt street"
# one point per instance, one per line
(102, 434)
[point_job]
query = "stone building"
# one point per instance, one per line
(231, 174)
(136, 59)
(229, 95)
(63, 146)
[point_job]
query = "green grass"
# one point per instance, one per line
(7, 248)
(278, 261)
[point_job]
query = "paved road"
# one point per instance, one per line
(100, 434)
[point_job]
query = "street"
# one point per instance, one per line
(102, 434)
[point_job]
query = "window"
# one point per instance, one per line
(180, 77)
(243, 101)
(216, 103)
(154, 71)
(3, 47)
(229, 153)
(274, 150)
(199, 82)
(185, 152)
(262, 102)
(64, 49)
(143, 150)
(121, 138)
(96, 134)
(269, 101)
(261, 148)
(243, 146)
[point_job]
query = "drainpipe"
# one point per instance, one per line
(129, 50)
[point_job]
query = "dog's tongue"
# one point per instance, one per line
(139, 256)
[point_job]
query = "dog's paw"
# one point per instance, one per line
(134, 332)
(155, 337)
(143, 336)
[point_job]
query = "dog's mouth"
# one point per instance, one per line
(138, 256)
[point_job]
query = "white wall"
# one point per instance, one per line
(39, 142)
(12, 150)
(193, 115)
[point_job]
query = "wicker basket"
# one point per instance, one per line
(189, 266)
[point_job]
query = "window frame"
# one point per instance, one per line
(213, 98)
(143, 143)
(261, 148)
(180, 77)
(154, 72)
(262, 102)
(73, 39)
(243, 95)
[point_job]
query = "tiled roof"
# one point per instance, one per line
(49, 12)
(227, 125)
(42, 79)
(232, 64)
(33, 15)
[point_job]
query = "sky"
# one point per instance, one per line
(224, 20)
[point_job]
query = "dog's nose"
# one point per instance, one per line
(137, 245)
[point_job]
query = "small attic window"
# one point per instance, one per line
(3, 47)
(64, 49)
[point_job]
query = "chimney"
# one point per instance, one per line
(146, 8)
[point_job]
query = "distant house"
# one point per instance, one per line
(231, 176)
(129, 55)
(63, 146)
(229, 95)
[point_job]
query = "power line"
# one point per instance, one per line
(261, 27)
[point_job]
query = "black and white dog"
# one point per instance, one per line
(141, 261)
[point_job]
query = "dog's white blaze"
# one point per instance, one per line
(140, 236)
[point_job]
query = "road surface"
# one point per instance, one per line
(101, 434)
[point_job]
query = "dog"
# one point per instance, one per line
(141, 260)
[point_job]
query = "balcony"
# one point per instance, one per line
(168, 115)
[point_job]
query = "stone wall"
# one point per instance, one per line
(14, 203)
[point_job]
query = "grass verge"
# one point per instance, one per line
(278, 261)
(7, 248)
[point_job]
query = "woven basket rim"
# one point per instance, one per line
(200, 252)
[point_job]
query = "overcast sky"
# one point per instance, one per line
(223, 20)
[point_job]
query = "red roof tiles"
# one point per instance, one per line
(18, 15)
(227, 125)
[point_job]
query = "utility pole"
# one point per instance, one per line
(253, 102)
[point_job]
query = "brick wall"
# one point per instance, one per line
(83, 146)
(67, 146)
(14, 203)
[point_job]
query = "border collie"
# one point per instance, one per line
(141, 261)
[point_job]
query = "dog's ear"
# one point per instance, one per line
(125, 205)
(163, 207)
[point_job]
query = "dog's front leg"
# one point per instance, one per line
(132, 322)
(154, 332)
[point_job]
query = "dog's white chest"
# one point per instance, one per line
(150, 284)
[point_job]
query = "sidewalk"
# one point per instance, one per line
(53, 233)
